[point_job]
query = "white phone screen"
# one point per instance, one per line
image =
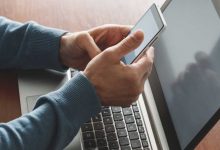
(151, 24)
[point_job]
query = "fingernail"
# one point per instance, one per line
(150, 52)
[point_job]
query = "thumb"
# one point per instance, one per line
(92, 48)
(128, 44)
(88, 43)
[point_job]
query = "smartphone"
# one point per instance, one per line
(152, 23)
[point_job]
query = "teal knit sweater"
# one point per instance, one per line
(58, 115)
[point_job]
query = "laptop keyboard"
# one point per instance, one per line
(116, 128)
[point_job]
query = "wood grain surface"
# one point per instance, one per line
(74, 15)
(9, 96)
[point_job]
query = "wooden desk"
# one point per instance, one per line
(73, 15)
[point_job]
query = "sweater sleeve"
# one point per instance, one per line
(29, 46)
(55, 120)
(57, 116)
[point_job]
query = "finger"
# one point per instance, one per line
(128, 44)
(108, 35)
(125, 29)
(116, 34)
(122, 29)
(146, 75)
(93, 49)
(90, 45)
(144, 64)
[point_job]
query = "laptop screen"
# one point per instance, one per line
(187, 63)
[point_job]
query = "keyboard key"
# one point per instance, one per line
(122, 132)
(129, 119)
(125, 148)
(108, 139)
(113, 144)
(141, 129)
(88, 135)
(123, 141)
(87, 127)
(135, 108)
(131, 127)
(89, 144)
(100, 134)
(101, 142)
(134, 104)
(143, 136)
(97, 118)
(127, 111)
(109, 128)
(103, 148)
(117, 116)
(146, 148)
(111, 136)
(108, 120)
(104, 107)
(98, 126)
(135, 144)
(119, 124)
(116, 109)
(137, 115)
(145, 143)
(139, 122)
(106, 112)
(133, 135)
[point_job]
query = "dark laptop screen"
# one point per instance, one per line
(188, 65)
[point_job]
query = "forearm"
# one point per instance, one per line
(56, 119)
(29, 46)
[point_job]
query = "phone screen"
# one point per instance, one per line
(151, 24)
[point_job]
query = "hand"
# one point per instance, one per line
(77, 49)
(117, 83)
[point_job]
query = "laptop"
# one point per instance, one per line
(180, 102)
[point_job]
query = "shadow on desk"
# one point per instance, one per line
(9, 96)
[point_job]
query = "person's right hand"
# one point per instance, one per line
(116, 83)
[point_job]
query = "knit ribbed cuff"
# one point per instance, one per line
(42, 45)
(77, 100)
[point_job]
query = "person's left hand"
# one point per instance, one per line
(78, 48)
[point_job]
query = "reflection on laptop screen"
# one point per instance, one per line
(188, 65)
